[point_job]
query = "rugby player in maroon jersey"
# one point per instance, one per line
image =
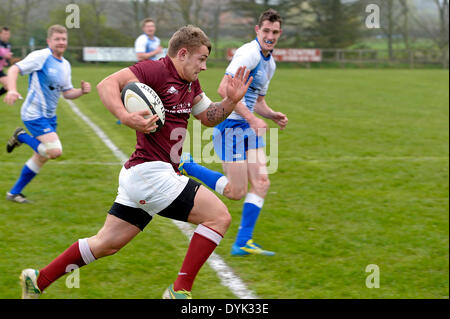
(148, 182)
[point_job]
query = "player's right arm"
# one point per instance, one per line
(12, 95)
(145, 56)
(109, 91)
(257, 124)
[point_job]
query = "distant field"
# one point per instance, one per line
(363, 178)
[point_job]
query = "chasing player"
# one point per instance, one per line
(238, 141)
(5, 55)
(50, 74)
(148, 182)
(148, 45)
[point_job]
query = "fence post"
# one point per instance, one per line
(411, 59)
(360, 62)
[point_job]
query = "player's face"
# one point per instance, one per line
(268, 34)
(149, 29)
(58, 43)
(195, 63)
(4, 35)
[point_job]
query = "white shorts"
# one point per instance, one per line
(151, 186)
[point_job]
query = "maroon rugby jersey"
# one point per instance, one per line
(177, 95)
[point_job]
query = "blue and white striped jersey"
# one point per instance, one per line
(144, 44)
(49, 77)
(262, 69)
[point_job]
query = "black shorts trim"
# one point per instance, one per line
(135, 216)
(182, 206)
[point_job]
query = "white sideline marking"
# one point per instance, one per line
(117, 152)
(226, 275)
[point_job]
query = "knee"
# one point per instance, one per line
(102, 248)
(235, 192)
(225, 218)
(222, 219)
(53, 150)
(54, 153)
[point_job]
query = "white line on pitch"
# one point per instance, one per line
(227, 276)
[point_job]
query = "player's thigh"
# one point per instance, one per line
(237, 176)
(48, 138)
(210, 211)
(257, 171)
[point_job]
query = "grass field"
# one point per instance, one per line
(363, 178)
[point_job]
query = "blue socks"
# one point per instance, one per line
(210, 178)
(250, 212)
(30, 141)
(29, 171)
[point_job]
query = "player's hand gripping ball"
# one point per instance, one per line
(138, 96)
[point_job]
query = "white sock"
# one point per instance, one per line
(35, 168)
(220, 184)
(254, 199)
(209, 233)
(85, 251)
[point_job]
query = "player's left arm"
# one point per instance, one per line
(76, 93)
(212, 113)
(264, 110)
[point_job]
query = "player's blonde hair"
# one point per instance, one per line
(57, 28)
(188, 37)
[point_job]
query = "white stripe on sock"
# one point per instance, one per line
(209, 233)
(85, 251)
(220, 184)
(254, 199)
(33, 166)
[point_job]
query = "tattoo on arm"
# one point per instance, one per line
(216, 113)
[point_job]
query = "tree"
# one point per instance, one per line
(337, 24)
(189, 10)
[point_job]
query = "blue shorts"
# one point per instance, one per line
(41, 126)
(232, 139)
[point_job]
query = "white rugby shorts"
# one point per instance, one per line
(151, 186)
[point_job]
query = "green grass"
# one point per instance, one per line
(363, 178)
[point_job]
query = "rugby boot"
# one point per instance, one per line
(13, 142)
(28, 280)
(250, 248)
(180, 294)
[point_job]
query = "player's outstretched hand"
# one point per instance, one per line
(11, 97)
(280, 119)
(239, 84)
(85, 87)
(137, 122)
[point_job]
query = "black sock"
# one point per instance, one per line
(3, 91)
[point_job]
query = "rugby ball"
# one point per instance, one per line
(138, 96)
